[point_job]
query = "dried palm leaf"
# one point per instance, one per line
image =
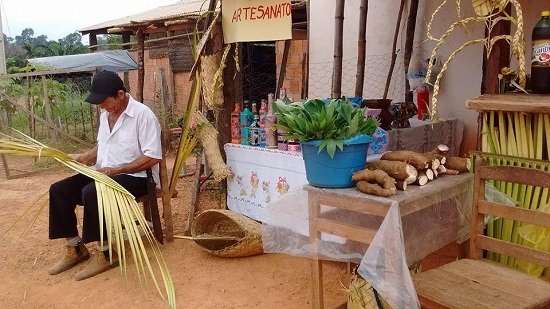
(489, 12)
(188, 138)
(119, 208)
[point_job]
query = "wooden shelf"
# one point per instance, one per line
(511, 102)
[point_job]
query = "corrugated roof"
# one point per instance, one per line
(177, 10)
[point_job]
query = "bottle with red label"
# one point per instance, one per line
(236, 125)
(423, 101)
(540, 56)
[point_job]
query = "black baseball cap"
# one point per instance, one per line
(104, 84)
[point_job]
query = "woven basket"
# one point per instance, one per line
(209, 140)
(227, 234)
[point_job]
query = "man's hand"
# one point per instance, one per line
(109, 171)
(87, 158)
(76, 156)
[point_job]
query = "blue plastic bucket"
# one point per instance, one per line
(326, 172)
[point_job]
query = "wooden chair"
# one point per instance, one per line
(480, 283)
(150, 205)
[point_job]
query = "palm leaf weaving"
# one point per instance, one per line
(119, 209)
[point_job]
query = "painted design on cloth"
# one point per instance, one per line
(282, 186)
(254, 182)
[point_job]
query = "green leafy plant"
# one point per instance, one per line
(331, 123)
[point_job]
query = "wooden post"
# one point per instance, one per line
(48, 109)
(30, 119)
(498, 58)
(3, 156)
(164, 107)
(141, 68)
(93, 41)
(305, 76)
(409, 41)
(338, 49)
(126, 39)
(282, 71)
(361, 48)
(394, 49)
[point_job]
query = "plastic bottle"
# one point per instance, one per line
(270, 121)
(246, 116)
(236, 125)
(540, 56)
(422, 101)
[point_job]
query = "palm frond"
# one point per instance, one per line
(119, 209)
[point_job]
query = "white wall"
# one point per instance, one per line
(461, 81)
(378, 49)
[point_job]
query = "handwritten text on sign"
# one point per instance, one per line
(256, 20)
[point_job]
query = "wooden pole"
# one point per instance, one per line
(141, 67)
(361, 48)
(282, 71)
(305, 76)
(498, 58)
(409, 41)
(48, 109)
(338, 49)
(126, 39)
(30, 119)
(394, 48)
(3, 156)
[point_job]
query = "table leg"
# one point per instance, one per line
(316, 264)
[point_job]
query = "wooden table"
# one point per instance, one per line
(414, 223)
(264, 175)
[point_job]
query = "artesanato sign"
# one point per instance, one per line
(256, 20)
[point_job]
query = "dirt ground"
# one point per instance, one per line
(200, 279)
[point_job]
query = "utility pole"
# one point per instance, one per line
(2, 52)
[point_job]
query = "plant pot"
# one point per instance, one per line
(326, 172)
(385, 115)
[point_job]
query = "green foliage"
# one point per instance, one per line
(331, 123)
(10, 88)
(26, 46)
(57, 93)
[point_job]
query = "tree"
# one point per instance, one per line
(26, 46)
(26, 35)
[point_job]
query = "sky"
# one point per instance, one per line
(58, 18)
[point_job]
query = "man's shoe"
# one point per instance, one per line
(73, 256)
(100, 263)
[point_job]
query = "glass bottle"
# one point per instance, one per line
(263, 112)
(282, 143)
(270, 121)
(254, 135)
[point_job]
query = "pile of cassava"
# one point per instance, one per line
(397, 169)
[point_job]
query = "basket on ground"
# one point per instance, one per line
(227, 234)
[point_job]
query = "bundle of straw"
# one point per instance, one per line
(516, 139)
(118, 206)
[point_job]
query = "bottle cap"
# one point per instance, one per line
(545, 13)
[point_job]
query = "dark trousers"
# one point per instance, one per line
(79, 189)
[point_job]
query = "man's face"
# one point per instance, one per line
(112, 104)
